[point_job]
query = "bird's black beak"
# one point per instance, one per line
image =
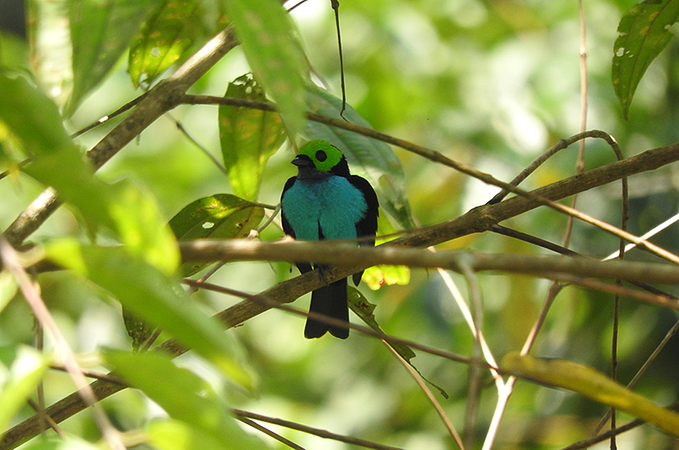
(302, 160)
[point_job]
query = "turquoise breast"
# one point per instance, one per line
(332, 204)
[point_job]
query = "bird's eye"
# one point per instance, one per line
(321, 156)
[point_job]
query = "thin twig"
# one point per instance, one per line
(335, 7)
(92, 374)
(19, 165)
(668, 336)
(269, 433)
(127, 106)
(649, 234)
(310, 430)
(40, 346)
(474, 382)
(467, 315)
(605, 436)
(200, 146)
(40, 409)
(430, 396)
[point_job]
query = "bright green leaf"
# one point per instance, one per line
(101, 30)
(377, 276)
(176, 435)
(122, 208)
(8, 288)
(201, 419)
(141, 226)
(644, 32)
(19, 382)
(270, 45)
(152, 296)
(221, 216)
(593, 384)
(248, 137)
(36, 123)
(164, 39)
(368, 157)
(31, 116)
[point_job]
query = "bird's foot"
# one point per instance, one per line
(323, 272)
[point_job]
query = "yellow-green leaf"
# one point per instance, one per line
(152, 296)
(644, 31)
(248, 137)
(18, 380)
(270, 45)
(202, 420)
(593, 384)
(220, 216)
(128, 211)
(101, 30)
(164, 39)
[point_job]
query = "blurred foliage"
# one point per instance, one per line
(492, 83)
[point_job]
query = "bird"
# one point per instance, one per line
(325, 201)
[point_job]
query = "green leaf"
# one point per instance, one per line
(142, 227)
(152, 296)
(137, 329)
(270, 45)
(164, 39)
(176, 435)
(18, 381)
(201, 420)
(644, 32)
(248, 137)
(220, 216)
(374, 159)
(123, 208)
(8, 288)
(101, 30)
(31, 116)
(593, 384)
(377, 276)
(36, 123)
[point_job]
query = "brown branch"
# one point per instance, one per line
(351, 257)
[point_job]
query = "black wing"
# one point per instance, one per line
(287, 228)
(367, 227)
(286, 225)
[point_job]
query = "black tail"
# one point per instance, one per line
(330, 300)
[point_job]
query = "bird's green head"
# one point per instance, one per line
(324, 155)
